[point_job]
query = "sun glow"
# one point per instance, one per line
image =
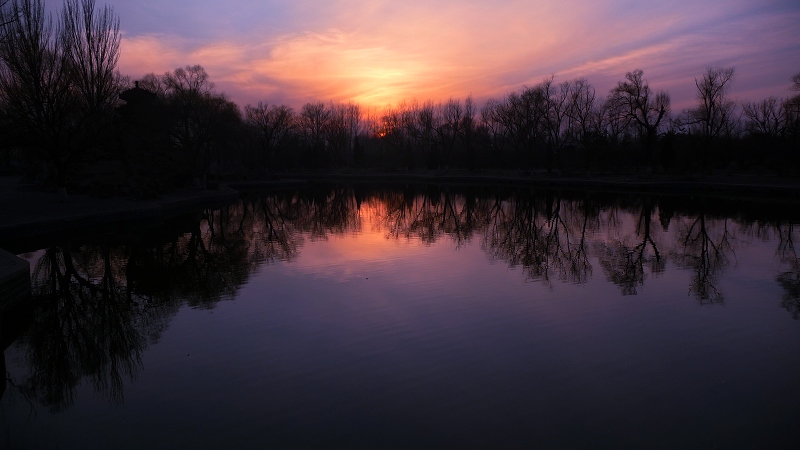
(379, 54)
(341, 67)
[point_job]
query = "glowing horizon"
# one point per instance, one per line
(379, 53)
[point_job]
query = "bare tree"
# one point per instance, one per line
(449, 125)
(155, 84)
(34, 79)
(713, 115)
(634, 102)
(467, 132)
(792, 108)
(341, 129)
(188, 80)
(495, 128)
(93, 53)
(581, 113)
(765, 118)
(521, 114)
(614, 125)
(553, 111)
(57, 82)
(202, 119)
(6, 16)
(314, 119)
(186, 90)
(273, 122)
(422, 123)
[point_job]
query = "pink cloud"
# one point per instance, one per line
(382, 52)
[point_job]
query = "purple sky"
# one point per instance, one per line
(378, 53)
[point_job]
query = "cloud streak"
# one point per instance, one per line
(380, 52)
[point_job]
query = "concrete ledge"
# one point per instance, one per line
(15, 279)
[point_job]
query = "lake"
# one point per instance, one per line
(415, 316)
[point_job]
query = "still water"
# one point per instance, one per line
(415, 317)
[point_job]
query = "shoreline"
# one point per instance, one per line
(29, 214)
(33, 215)
(749, 187)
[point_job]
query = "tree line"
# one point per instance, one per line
(68, 117)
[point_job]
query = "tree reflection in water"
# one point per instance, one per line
(548, 238)
(83, 327)
(790, 279)
(627, 260)
(100, 304)
(706, 249)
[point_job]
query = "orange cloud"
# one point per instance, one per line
(381, 52)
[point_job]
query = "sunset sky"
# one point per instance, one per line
(381, 52)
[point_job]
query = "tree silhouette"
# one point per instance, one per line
(583, 129)
(6, 16)
(341, 130)
(313, 122)
(635, 103)
(792, 108)
(713, 116)
(273, 124)
(202, 120)
(555, 115)
(57, 83)
(494, 130)
(765, 118)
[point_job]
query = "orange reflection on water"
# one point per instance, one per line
(359, 250)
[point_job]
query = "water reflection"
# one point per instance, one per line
(99, 304)
(547, 236)
(706, 247)
(627, 259)
(84, 327)
(790, 279)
